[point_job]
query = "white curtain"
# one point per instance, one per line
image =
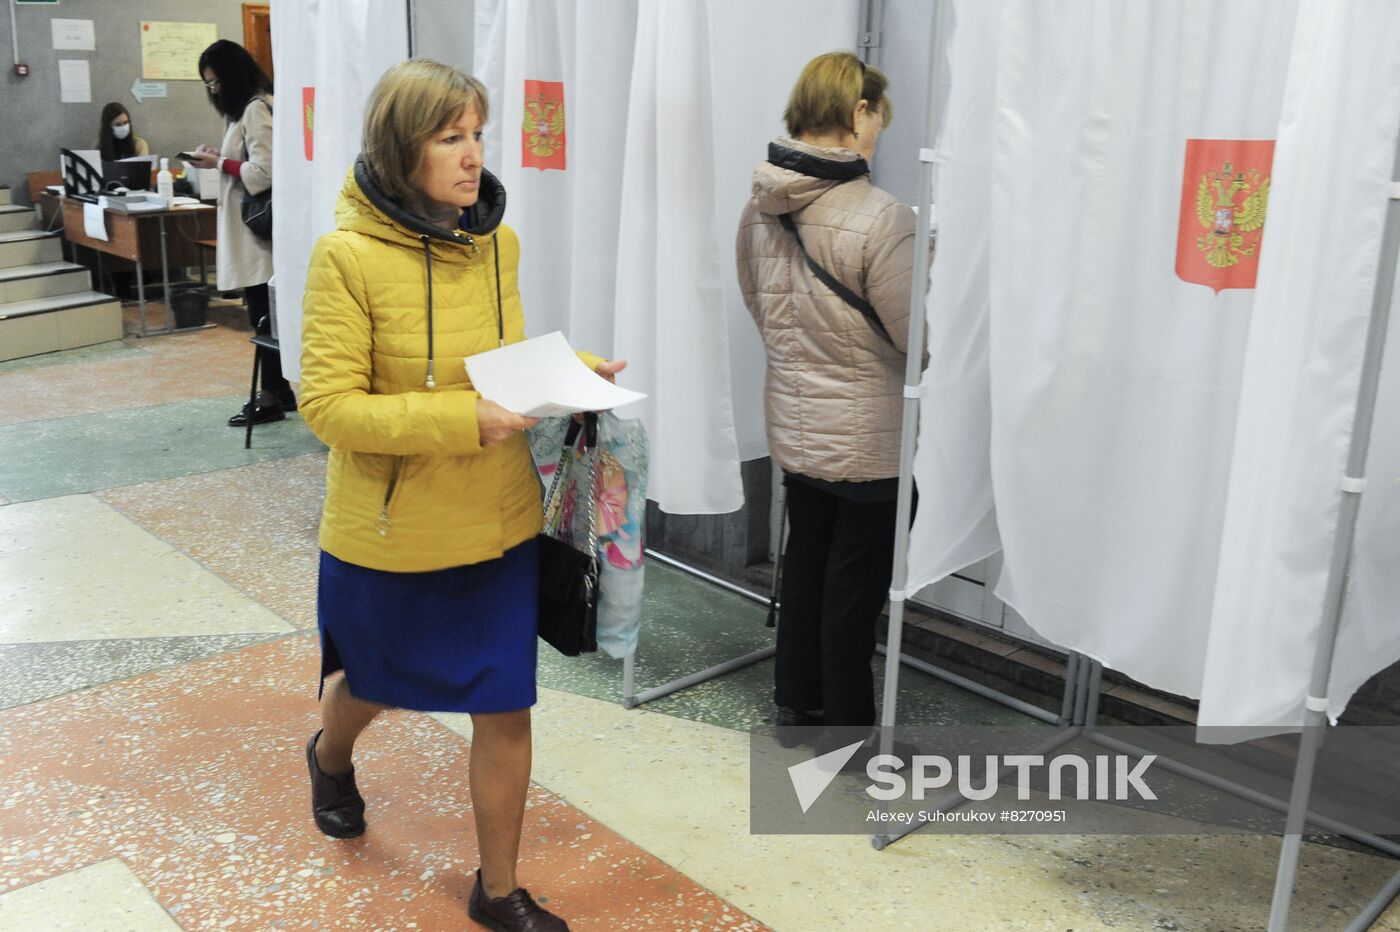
(336, 50)
(760, 49)
(670, 319)
(629, 248)
(564, 216)
(1331, 174)
(956, 521)
(1092, 307)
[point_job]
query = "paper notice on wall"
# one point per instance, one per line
(73, 35)
(170, 51)
(95, 220)
(543, 377)
(74, 81)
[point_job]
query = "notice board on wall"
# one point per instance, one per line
(170, 51)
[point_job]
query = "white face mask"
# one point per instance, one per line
(121, 130)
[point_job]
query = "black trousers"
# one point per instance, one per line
(836, 578)
(260, 309)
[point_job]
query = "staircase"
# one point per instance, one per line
(46, 304)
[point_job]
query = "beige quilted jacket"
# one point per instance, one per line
(834, 388)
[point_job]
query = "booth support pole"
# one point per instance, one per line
(1071, 677)
(872, 24)
(977, 689)
(631, 698)
(1334, 601)
(913, 373)
(1373, 909)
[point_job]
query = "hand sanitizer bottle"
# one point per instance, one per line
(165, 182)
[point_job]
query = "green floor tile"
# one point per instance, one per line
(69, 456)
(689, 625)
(100, 352)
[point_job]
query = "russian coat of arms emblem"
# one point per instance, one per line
(543, 142)
(1224, 202)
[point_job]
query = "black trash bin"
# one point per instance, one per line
(190, 303)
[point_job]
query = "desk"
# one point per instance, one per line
(125, 239)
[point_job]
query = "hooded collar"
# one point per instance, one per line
(364, 208)
(796, 174)
(815, 162)
(481, 219)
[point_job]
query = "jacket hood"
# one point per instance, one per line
(364, 208)
(796, 174)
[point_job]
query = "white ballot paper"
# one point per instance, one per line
(95, 219)
(542, 377)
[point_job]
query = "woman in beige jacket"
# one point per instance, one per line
(242, 94)
(834, 383)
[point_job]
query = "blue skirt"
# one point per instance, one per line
(461, 639)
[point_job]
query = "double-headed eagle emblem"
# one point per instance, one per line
(1231, 207)
(543, 125)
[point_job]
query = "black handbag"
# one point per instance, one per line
(256, 209)
(568, 610)
(257, 213)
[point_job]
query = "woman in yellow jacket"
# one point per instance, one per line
(427, 591)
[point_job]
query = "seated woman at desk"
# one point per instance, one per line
(116, 139)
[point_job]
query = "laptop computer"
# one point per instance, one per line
(133, 175)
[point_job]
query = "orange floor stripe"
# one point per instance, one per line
(195, 777)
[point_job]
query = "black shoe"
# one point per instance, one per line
(790, 725)
(262, 414)
(336, 804)
(516, 910)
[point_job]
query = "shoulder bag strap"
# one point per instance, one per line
(829, 280)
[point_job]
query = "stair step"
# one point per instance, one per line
(42, 279)
(59, 328)
(53, 303)
(19, 236)
(4, 194)
(28, 247)
(13, 218)
(35, 269)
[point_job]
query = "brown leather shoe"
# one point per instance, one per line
(515, 912)
(336, 804)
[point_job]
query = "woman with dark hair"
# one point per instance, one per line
(115, 138)
(242, 94)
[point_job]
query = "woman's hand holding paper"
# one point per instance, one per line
(496, 425)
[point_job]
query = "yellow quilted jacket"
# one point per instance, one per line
(409, 487)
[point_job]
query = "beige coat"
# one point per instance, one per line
(243, 259)
(834, 387)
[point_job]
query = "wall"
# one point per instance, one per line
(903, 57)
(33, 124)
(444, 30)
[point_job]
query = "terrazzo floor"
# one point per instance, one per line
(158, 682)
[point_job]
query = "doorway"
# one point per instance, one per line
(257, 34)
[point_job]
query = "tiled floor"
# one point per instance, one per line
(158, 682)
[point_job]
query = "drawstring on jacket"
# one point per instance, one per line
(428, 262)
(431, 382)
(500, 309)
